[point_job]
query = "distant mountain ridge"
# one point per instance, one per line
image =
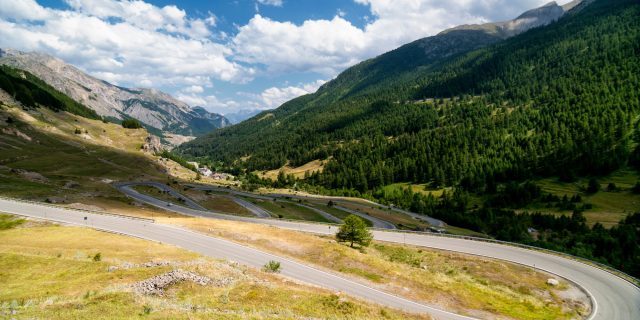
(153, 108)
(339, 102)
(412, 59)
(530, 19)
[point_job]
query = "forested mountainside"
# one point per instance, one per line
(554, 100)
(305, 128)
(157, 110)
(560, 101)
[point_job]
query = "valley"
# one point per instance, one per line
(486, 171)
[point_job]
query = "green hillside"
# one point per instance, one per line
(561, 99)
(507, 128)
(313, 122)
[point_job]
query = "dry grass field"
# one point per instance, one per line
(51, 272)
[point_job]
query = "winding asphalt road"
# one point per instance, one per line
(326, 215)
(377, 223)
(257, 211)
(128, 186)
(613, 297)
(217, 248)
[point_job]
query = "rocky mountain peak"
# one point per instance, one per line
(152, 107)
(533, 18)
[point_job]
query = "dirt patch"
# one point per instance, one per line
(577, 299)
(83, 206)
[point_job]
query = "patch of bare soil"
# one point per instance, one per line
(83, 206)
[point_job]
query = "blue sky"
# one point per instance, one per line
(231, 55)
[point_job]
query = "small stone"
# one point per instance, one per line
(553, 282)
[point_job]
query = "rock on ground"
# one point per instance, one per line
(157, 284)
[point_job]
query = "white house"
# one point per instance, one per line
(205, 171)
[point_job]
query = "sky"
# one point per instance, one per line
(232, 55)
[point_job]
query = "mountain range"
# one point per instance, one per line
(299, 128)
(157, 110)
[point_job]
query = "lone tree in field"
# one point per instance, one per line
(355, 231)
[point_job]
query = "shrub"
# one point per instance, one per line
(593, 186)
(97, 257)
(9, 222)
(272, 266)
(146, 310)
(131, 124)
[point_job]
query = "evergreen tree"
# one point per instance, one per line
(354, 231)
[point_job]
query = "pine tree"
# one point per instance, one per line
(354, 230)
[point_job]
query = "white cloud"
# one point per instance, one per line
(135, 43)
(194, 89)
(270, 98)
(329, 46)
(210, 102)
(276, 3)
(322, 46)
(145, 45)
(274, 97)
(22, 10)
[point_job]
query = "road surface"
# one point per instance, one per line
(614, 298)
(160, 186)
(377, 223)
(432, 221)
(326, 215)
(257, 211)
(218, 248)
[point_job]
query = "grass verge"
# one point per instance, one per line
(469, 285)
(50, 272)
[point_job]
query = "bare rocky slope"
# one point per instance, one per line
(155, 109)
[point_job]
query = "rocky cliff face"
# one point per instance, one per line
(152, 107)
(530, 19)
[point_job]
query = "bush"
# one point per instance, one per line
(272, 266)
(97, 257)
(146, 310)
(131, 124)
(9, 222)
(612, 187)
(593, 186)
(78, 131)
